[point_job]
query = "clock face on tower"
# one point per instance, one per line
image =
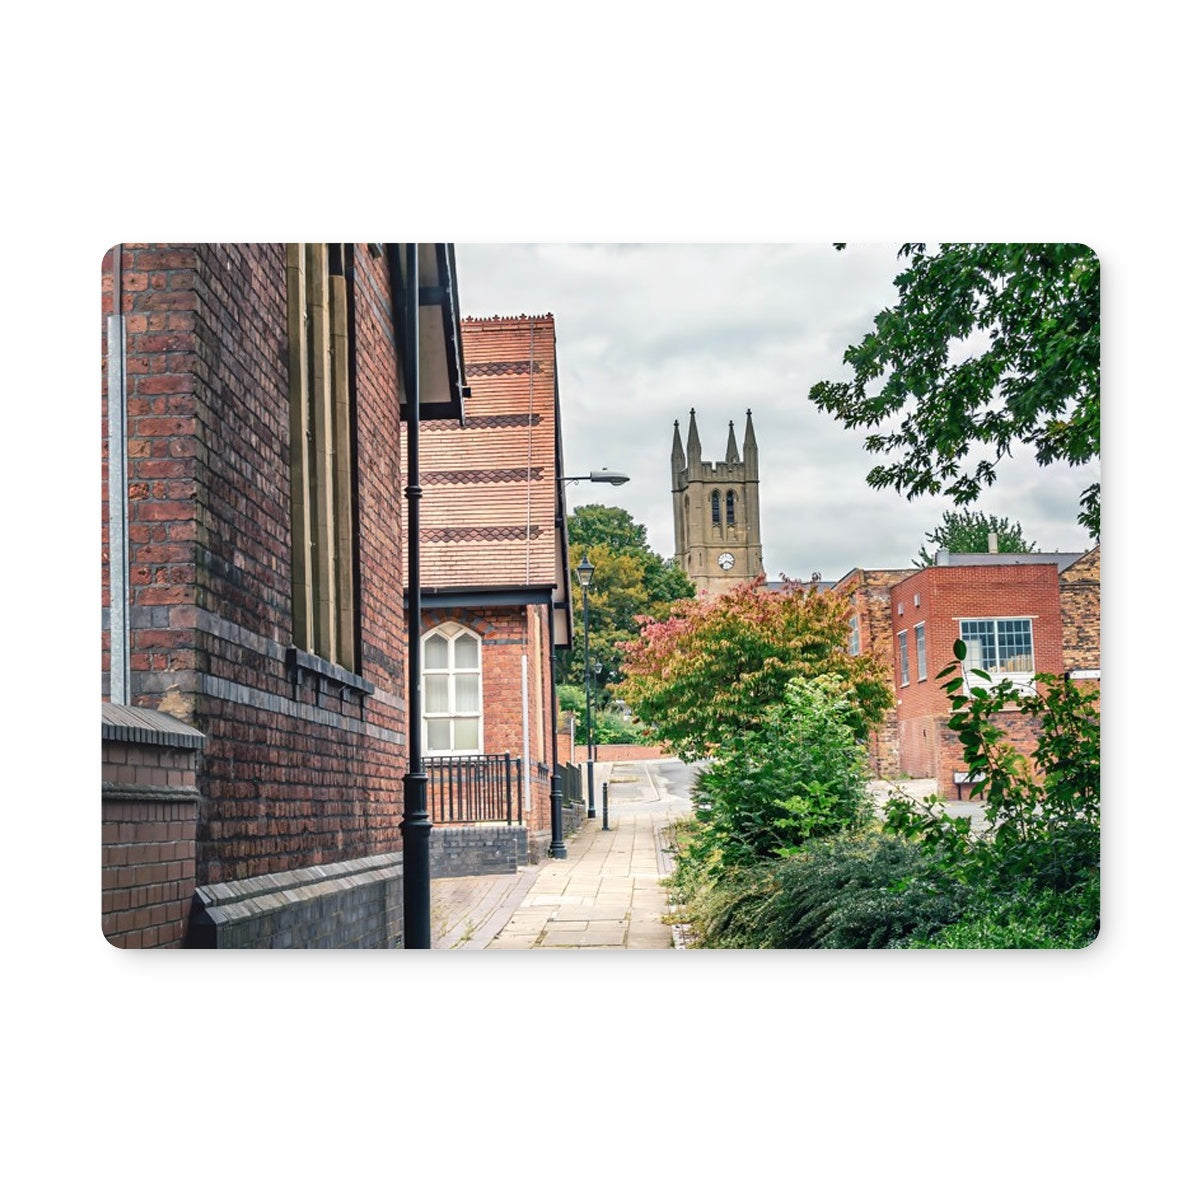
(725, 561)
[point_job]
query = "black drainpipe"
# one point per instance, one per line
(558, 848)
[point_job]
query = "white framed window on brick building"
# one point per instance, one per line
(452, 678)
(902, 647)
(855, 635)
(919, 637)
(1001, 646)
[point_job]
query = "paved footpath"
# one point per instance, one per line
(605, 894)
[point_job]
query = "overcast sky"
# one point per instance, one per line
(647, 332)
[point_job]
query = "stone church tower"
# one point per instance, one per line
(717, 541)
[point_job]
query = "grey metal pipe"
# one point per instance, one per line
(118, 499)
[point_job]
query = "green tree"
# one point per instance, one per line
(630, 581)
(967, 533)
(1037, 382)
(714, 667)
(799, 774)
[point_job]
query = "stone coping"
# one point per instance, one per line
(125, 723)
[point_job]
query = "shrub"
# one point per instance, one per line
(800, 775)
(1028, 919)
(868, 891)
(1035, 877)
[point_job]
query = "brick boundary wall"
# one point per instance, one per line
(149, 806)
(352, 905)
(357, 904)
(624, 752)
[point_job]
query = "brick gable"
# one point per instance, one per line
(488, 509)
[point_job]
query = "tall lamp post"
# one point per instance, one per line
(584, 573)
(557, 846)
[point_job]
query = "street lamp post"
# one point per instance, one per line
(557, 846)
(584, 572)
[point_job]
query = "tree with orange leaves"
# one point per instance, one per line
(715, 667)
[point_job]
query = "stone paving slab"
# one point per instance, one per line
(606, 894)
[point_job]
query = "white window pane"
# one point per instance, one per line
(437, 735)
(980, 639)
(1015, 640)
(466, 733)
(437, 693)
(437, 652)
(466, 693)
(466, 653)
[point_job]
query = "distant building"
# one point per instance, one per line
(1018, 614)
(717, 538)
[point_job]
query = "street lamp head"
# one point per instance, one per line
(584, 571)
(604, 475)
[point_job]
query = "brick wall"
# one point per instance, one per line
(869, 592)
(148, 814)
(356, 904)
(625, 752)
(508, 634)
(928, 749)
(301, 766)
(1079, 586)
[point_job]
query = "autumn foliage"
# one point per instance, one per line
(715, 666)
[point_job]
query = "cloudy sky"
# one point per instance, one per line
(647, 332)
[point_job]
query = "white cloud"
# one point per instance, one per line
(648, 332)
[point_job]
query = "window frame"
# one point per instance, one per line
(1023, 677)
(452, 632)
(855, 643)
(902, 650)
(919, 645)
(321, 401)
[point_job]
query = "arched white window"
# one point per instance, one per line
(452, 715)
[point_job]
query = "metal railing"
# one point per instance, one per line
(572, 783)
(478, 787)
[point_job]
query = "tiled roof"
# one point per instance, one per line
(488, 505)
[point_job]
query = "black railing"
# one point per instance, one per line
(479, 787)
(572, 783)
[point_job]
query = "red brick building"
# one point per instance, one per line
(1019, 615)
(869, 593)
(253, 583)
(494, 560)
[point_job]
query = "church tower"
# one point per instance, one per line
(717, 540)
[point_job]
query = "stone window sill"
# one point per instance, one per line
(303, 667)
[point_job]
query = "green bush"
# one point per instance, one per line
(1035, 877)
(609, 726)
(869, 891)
(1027, 919)
(800, 775)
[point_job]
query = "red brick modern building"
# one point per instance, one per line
(1019, 615)
(253, 584)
